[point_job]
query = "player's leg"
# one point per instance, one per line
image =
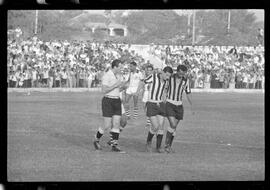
(153, 110)
(174, 114)
(123, 123)
(152, 131)
(160, 132)
(107, 113)
(136, 109)
(107, 124)
(171, 132)
(127, 106)
(115, 132)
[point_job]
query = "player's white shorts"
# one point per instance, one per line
(145, 96)
(131, 90)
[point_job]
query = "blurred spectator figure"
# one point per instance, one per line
(258, 84)
(45, 77)
(81, 78)
(90, 78)
(252, 81)
(73, 77)
(199, 80)
(238, 80)
(57, 78)
(77, 75)
(21, 80)
(207, 80)
(192, 79)
(64, 78)
(69, 77)
(34, 81)
(221, 83)
(231, 79)
(51, 77)
(245, 80)
(12, 79)
(26, 79)
(214, 79)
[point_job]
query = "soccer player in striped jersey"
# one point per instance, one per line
(156, 106)
(178, 83)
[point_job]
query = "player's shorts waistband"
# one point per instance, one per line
(113, 97)
(154, 101)
(177, 103)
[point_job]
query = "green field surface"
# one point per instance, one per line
(50, 138)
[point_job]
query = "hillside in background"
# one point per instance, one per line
(144, 27)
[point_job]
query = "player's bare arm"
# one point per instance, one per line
(189, 98)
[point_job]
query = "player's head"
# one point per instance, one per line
(181, 70)
(149, 69)
(116, 66)
(167, 72)
(133, 66)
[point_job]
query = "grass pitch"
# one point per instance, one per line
(50, 138)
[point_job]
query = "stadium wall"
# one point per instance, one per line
(99, 90)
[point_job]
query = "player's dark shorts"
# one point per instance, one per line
(111, 106)
(174, 110)
(154, 109)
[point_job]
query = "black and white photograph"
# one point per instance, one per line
(135, 95)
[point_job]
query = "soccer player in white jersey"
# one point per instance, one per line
(156, 106)
(123, 119)
(111, 106)
(148, 71)
(178, 83)
(132, 90)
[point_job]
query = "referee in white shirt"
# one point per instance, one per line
(111, 106)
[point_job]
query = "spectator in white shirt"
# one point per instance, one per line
(245, 80)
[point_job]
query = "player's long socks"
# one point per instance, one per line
(150, 135)
(159, 138)
(173, 135)
(169, 136)
(115, 136)
(148, 122)
(128, 112)
(168, 139)
(135, 112)
(99, 134)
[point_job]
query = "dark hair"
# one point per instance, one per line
(115, 63)
(182, 68)
(150, 66)
(133, 63)
(168, 69)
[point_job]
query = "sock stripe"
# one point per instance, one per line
(160, 132)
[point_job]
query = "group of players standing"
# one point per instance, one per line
(162, 98)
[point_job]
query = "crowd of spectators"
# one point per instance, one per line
(217, 66)
(36, 63)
